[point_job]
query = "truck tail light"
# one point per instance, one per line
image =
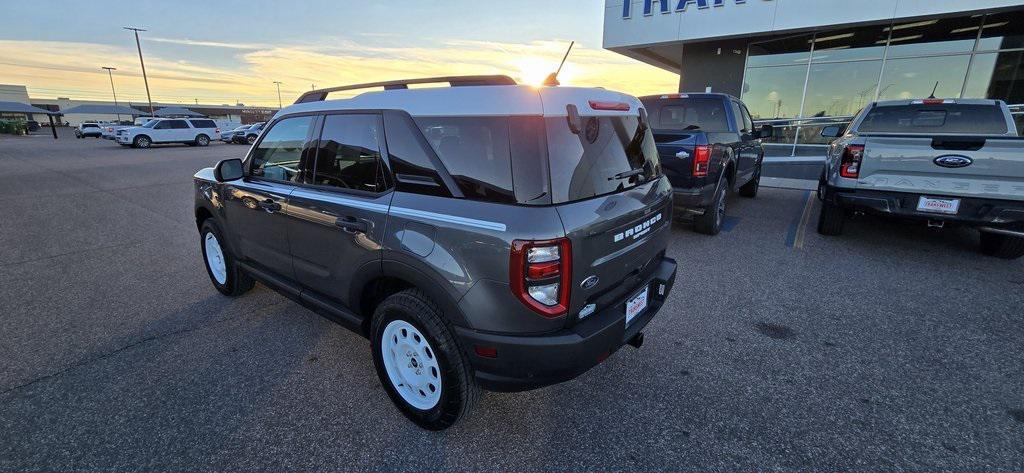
(701, 160)
(217, 130)
(849, 167)
(540, 274)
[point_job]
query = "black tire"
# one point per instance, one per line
(237, 281)
(142, 141)
(831, 219)
(250, 139)
(1002, 246)
(710, 223)
(202, 140)
(749, 190)
(459, 390)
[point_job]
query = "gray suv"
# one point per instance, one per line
(482, 235)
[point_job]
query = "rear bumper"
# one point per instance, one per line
(530, 362)
(694, 199)
(973, 211)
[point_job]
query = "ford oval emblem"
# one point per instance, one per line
(590, 282)
(953, 161)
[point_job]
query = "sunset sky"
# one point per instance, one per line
(223, 52)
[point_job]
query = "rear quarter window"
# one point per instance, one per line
(203, 123)
(475, 151)
(950, 118)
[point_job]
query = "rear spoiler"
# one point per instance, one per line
(453, 81)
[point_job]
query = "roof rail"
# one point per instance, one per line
(453, 81)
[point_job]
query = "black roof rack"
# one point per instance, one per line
(454, 81)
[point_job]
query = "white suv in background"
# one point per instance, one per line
(191, 131)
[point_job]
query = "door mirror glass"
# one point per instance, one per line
(832, 131)
(767, 131)
(228, 170)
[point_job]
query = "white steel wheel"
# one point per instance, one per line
(215, 258)
(411, 365)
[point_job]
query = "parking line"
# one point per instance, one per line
(797, 229)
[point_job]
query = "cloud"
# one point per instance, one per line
(52, 68)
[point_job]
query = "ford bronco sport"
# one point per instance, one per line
(482, 235)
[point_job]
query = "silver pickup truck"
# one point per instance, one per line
(944, 162)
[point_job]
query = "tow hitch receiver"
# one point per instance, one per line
(936, 223)
(637, 341)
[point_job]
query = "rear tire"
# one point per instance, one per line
(1002, 246)
(415, 351)
(831, 220)
(711, 222)
(202, 140)
(225, 275)
(749, 190)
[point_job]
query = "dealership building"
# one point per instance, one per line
(796, 59)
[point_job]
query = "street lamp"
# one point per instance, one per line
(110, 72)
(278, 93)
(143, 63)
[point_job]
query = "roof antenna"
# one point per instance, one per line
(552, 80)
(932, 96)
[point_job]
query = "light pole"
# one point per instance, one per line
(110, 72)
(278, 93)
(143, 63)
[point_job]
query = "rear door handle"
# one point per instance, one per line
(270, 206)
(352, 225)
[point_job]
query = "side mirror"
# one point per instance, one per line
(832, 131)
(228, 170)
(767, 131)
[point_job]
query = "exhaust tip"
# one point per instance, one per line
(637, 341)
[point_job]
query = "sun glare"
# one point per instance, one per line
(533, 70)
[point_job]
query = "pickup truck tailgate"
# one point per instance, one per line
(908, 164)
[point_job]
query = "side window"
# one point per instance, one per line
(738, 118)
(203, 123)
(178, 124)
(475, 150)
(348, 156)
(278, 155)
(163, 125)
(747, 122)
(413, 169)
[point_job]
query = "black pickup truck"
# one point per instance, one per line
(708, 147)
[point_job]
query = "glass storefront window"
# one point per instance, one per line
(1002, 31)
(841, 89)
(774, 92)
(919, 38)
(779, 52)
(997, 76)
(853, 44)
(915, 78)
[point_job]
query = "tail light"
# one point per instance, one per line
(701, 160)
(849, 167)
(217, 130)
(540, 274)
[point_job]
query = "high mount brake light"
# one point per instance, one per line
(849, 167)
(614, 106)
(701, 160)
(540, 275)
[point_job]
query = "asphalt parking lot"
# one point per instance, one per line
(893, 347)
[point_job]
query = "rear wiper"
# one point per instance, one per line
(626, 174)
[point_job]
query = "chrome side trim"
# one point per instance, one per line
(469, 222)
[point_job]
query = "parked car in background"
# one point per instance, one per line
(941, 162)
(229, 136)
(88, 129)
(249, 135)
(510, 238)
(32, 125)
(190, 131)
(708, 146)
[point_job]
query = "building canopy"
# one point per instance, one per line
(102, 109)
(177, 112)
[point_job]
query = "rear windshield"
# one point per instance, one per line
(949, 118)
(706, 114)
(537, 161)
